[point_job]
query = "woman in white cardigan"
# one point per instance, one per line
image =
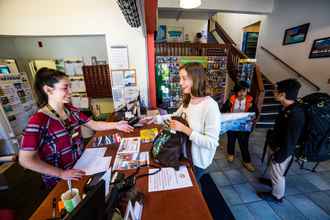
(203, 116)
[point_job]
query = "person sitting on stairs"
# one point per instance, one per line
(240, 102)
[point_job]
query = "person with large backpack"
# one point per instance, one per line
(202, 114)
(288, 131)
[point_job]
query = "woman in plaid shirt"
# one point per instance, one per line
(52, 140)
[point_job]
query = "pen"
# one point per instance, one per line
(70, 186)
(54, 208)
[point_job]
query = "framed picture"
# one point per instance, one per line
(320, 48)
(161, 33)
(296, 34)
(174, 34)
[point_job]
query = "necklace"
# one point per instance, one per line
(66, 122)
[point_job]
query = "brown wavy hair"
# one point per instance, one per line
(49, 77)
(197, 73)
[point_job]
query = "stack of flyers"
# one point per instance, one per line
(129, 155)
(129, 145)
(126, 161)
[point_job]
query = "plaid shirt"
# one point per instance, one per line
(47, 135)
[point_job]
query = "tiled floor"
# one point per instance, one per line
(307, 193)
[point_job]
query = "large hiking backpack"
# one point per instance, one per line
(170, 148)
(315, 146)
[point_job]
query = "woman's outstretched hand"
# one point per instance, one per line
(124, 126)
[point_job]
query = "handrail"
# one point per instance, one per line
(222, 33)
(291, 68)
(258, 88)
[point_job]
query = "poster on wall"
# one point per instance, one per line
(161, 34)
(320, 48)
(296, 34)
(174, 34)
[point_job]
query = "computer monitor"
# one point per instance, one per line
(92, 206)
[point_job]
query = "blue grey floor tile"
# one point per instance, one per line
(259, 186)
(246, 192)
(230, 195)
(325, 175)
(235, 176)
(291, 188)
(251, 176)
(307, 194)
(318, 181)
(286, 210)
(321, 199)
(222, 163)
(301, 183)
(261, 210)
(213, 167)
(241, 212)
(307, 207)
(220, 179)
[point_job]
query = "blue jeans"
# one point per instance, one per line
(199, 172)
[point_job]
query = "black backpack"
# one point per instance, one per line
(170, 148)
(315, 143)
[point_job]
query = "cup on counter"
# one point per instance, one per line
(71, 199)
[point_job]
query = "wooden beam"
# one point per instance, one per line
(150, 8)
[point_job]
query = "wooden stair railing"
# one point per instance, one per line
(188, 49)
(257, 88)
(299, 75)
(234, 56)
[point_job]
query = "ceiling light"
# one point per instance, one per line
(189, 4)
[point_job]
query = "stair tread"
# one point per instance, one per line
(269, 113)
(273, 104)
(266, 122)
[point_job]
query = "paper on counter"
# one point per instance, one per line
(168, 178)
(92, 161)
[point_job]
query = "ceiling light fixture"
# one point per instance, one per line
(189, 4)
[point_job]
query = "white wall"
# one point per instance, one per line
(77, 17)
(288, 14)
(7, 48)
(239, 6)
(191, 26)
(233, 24)
(57, 47)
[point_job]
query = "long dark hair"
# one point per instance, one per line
(49, 77)
(197, 73)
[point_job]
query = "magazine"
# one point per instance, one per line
(129, 145)
(148, 135)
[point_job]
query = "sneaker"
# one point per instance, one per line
(269, 197)
(249, 167)
(230, 158)
(265, 181)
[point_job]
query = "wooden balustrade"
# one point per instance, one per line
(190, 49)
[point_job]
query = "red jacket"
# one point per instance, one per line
(248, 103)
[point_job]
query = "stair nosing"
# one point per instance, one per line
(267, 105)
(269, 113)
(265, 123)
